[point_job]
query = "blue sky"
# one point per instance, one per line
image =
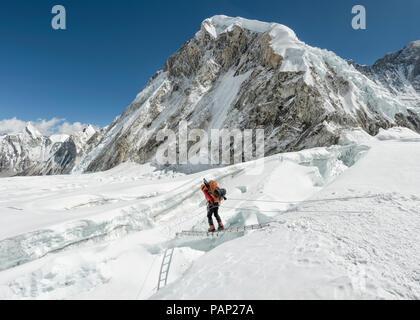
(94, 69)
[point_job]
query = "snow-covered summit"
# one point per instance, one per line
(282, 37)
(32, 131)
(89, 130)
(415, 43)
(86, 133)
(220, 24)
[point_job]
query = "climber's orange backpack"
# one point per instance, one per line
(213, 186)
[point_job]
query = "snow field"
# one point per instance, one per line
(346, 226)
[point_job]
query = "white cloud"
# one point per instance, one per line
(45, 127)
(12, 126)
(69, 128)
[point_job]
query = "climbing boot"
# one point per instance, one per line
(212, 229)
(221, 226)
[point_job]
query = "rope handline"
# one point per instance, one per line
(286, 211)
(199, 212)
(147, 276)
(300, 201)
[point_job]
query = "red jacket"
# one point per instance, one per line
(209, 198)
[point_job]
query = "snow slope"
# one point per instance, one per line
(320, 251)
(347, 226)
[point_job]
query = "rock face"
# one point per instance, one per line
(243, 74)
(399, 72)
(31, 153)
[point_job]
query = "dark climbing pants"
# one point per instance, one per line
(213, 210)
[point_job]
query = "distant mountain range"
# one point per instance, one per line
(31, 153)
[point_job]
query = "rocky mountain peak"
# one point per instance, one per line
(414, 44)
(399, 72)
(32, 131)
(90, 130)
(409, 55)
(247, 74)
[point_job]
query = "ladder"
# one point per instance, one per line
(219, 233)
(164, 268)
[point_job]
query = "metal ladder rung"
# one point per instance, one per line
(164, 268)
(216, 234)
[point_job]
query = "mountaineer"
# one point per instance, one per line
(214, 195)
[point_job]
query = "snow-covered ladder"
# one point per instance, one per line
(218, 233)
(164, 268)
